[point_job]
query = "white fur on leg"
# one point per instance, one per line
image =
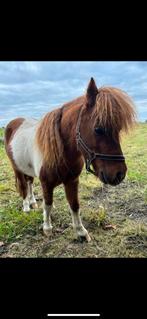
(26, 202)
(47, 226)
(78, 226)
(32, 199)
(54, 205)
(26, 205)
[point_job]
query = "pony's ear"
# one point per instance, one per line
(92, 92)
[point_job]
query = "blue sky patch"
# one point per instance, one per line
(31, 89)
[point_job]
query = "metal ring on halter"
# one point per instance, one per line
(91, 154)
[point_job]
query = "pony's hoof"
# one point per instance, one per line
(26, 209)
(88, 238)
(34, 205)
(82, 234)
(85, 237)
(47, 231)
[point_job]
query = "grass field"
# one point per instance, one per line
(124, 206)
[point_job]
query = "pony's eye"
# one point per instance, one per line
(99, 131)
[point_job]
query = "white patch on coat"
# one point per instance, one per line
(26, 201)
(26, 205)
(46, 217)
(32, 199)
(47, 226)
(25, 152)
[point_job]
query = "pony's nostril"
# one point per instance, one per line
(103, 177)
(120, 176)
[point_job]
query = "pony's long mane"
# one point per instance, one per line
(48, 138)
(114, 110)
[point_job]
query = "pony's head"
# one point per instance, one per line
(106, 112)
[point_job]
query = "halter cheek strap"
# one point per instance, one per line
(91, 154)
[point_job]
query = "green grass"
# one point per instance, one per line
(135, 147)
(124, 206)
(1, 132)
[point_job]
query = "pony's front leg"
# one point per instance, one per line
(71, 190)
(47, 207)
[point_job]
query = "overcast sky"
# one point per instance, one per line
(32, 89)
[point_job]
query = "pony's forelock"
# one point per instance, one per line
(114, 110)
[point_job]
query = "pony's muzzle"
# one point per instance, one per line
(120, 176)
(111, 180)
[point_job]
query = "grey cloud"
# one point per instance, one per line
(37, 87)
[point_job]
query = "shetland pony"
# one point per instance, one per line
(55, 148)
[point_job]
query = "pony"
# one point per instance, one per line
(55, 148)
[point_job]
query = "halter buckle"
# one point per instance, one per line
(88, 163)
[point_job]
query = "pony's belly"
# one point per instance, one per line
(26, 158)
(25, 169)
(22, 152)
(29, 164)
(23, 160)
(37, 162)
(25, 153)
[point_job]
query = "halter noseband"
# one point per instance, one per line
(91, 154)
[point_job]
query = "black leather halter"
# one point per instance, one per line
(91, 154)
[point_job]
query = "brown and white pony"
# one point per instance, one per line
(55, 148)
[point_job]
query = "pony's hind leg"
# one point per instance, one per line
(47, 206)
(71, 190)
(22, 188)
(32, 200)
